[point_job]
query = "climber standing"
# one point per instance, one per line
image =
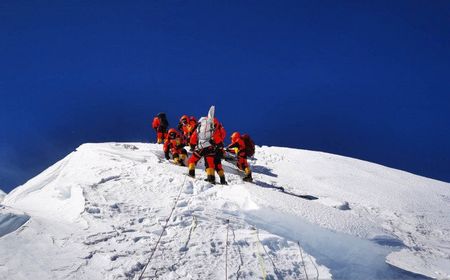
(218, 140)
(174, 144)
(160, 125)
(187, 126)
(208, 138)
(243, 147)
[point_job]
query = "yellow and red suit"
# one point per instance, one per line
(238, 147)
(212, 155)
(161, 131)
(176, 148)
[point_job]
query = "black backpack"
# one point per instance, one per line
(249, 145)
(163, 120)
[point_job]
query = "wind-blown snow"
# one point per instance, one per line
(101, 210)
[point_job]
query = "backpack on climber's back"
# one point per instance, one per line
(205, 131)
(249, 145)
(163, 120)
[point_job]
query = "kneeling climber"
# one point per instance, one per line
(174, 144)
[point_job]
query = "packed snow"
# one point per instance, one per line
(99, 213)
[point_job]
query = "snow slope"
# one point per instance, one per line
(2, 195)
(99, 212)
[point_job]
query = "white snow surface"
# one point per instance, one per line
(98, 213)
(2, 195)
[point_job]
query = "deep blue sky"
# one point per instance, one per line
(366, 79)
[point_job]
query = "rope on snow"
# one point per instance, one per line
(277, 273)
(163, 229)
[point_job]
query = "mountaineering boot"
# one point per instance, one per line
(211, 179)
(210, 176)
(191, 173)
(248, 175)
(191, 170)
(248, 178)
(182, 160)
(177, 161)
(223, 181)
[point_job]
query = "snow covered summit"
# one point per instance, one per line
(99, 213)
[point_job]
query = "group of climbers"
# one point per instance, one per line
(206, 140)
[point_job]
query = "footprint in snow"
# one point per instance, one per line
(92, 210)
(182, 204)
(189, 189)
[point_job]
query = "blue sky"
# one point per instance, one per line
(366, 79)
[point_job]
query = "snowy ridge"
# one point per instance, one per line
(2, 195)
(102, 208)
(11, 220)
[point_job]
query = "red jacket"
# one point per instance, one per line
(219, 134)
(174, 145)
(156, 123)
(240, 145)
(189, 128)
(194, 138)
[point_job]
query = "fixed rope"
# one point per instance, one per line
(303, 260)
(315, 266)
(260, 259)
(277, 273)
(239, 252)
(226, 251)
(163, 229)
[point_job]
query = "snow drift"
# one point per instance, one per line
(102, 209)
(11, 220)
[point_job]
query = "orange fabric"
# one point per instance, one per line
(188, 128)
(195, 157)
(239, 143)
(194, 138)
(242, 163)
(184, 117)
(160, 136)
(175, 146)
(235, 136)
(241, 156)
(173, 130)
(156, 123)
(219, 134)
(209, 162)
(210, 158)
